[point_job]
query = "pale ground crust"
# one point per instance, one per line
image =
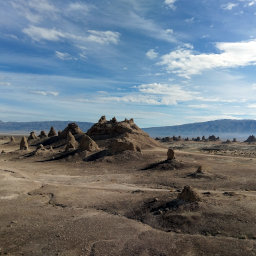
(119, 206)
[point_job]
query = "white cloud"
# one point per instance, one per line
(186, 62)
(229, 6)
(78, 7)
(38, 33)
(63, 55)
(251, 3)
(170, 3)
(46, 93)
(199, 106)
(157, 94)
(251, 106)
(190, 20)
(151, 54)
(101, 37)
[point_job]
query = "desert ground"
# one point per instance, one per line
(127, 203)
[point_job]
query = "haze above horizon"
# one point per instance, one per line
(165, 62)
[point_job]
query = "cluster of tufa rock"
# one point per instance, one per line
(32, 136)
(72, 128)
(52, 132)
(120, 136)
(42, 135)
(251, 139)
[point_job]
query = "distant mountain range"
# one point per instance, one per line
(25, 127)
(225, 128)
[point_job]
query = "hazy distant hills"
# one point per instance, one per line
(225, 128)
(25, 127)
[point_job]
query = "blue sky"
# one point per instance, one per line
(162, 62)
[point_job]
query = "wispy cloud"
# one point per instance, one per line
(186, 62)
(46, 93)
(101, 37)
(229, 6)
(153, 94)
(151, 54)
(170, 3)
(39, 33)
(64, 55)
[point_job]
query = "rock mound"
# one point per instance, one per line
(251, 139)
(188, 195)
(125, 130)
(87, 144)
(52, 132)
(32, 136)
(24, 143)
(12, 139)
(71, 142)
(73, 128)
(170, 154)
(42, 135)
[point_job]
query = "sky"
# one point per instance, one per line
(161, 62)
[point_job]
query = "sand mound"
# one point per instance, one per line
(86, 143)
(42, 135)
(126, 130)
(24, 143)
(73, 128)
(52, 132)
(188, 195)
(32, 136)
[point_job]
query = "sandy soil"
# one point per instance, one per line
(119, 206)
